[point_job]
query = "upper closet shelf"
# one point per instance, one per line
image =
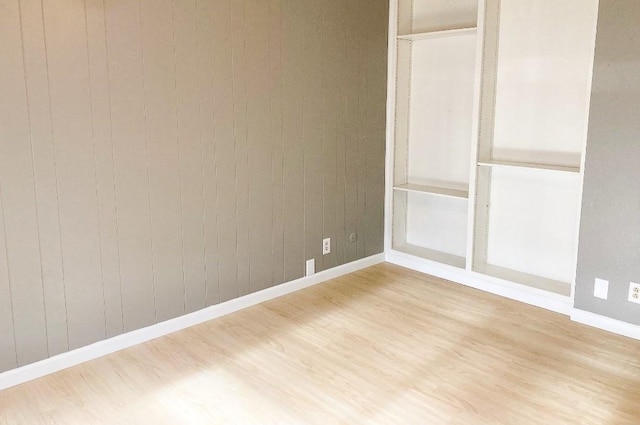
(530, 165)
(438, 34)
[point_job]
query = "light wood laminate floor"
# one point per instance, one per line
(381, 346)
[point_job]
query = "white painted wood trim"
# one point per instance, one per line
(475, 135)
(525, 294)
(102, 348)
(606, 323)
(583, 156)
(543, 299)
(392, 69)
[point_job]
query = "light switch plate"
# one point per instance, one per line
(601, 289)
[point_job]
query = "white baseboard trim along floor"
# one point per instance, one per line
(102, 348)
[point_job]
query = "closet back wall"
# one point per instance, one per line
(158, 156)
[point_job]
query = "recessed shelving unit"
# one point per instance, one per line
(434, 115)
(532, 127)
(490, 119)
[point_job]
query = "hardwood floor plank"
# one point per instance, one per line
(384, 345)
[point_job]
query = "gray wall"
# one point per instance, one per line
(158, 157)
(610, 226)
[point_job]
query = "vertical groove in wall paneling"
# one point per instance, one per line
(163, 155)
(225, 162)
(204, 101)
(157, 157)
(45, 175)
(258, 143)
(292, 130)
(312, 122)
(130, 161)
(104, 168)
(8, 353)
(18, 196)
(71, 106)
(277, 141)
(189, 83)
(341, 237)
(238, 38)
(329, 127)
(362, 141)
(351, 74)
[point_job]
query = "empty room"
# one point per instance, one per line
(320, 212)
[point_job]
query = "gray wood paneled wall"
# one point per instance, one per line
(159, 156)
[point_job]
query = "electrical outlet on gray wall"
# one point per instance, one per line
(634, 292)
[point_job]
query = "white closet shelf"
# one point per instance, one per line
(530, 280)
(432, 190)
(431, 254)
(438, 34)
(530, 165)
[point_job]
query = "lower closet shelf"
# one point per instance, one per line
(431, 254)
(533, 281)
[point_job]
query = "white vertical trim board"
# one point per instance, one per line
(605, 323)
(583, 157)
(392, 70)
(102, 348)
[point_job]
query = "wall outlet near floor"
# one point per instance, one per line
(326, 246)
(634, 292)
(601, 289)
(311, 267)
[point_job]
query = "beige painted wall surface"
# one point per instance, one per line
(158, 156)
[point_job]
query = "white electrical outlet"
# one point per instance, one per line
(601, 289)
(326, 246)
(311, 267)
(634, 292)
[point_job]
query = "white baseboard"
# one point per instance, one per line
(72, 358)
(514, 291)
(527, 295)
(606, 323)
